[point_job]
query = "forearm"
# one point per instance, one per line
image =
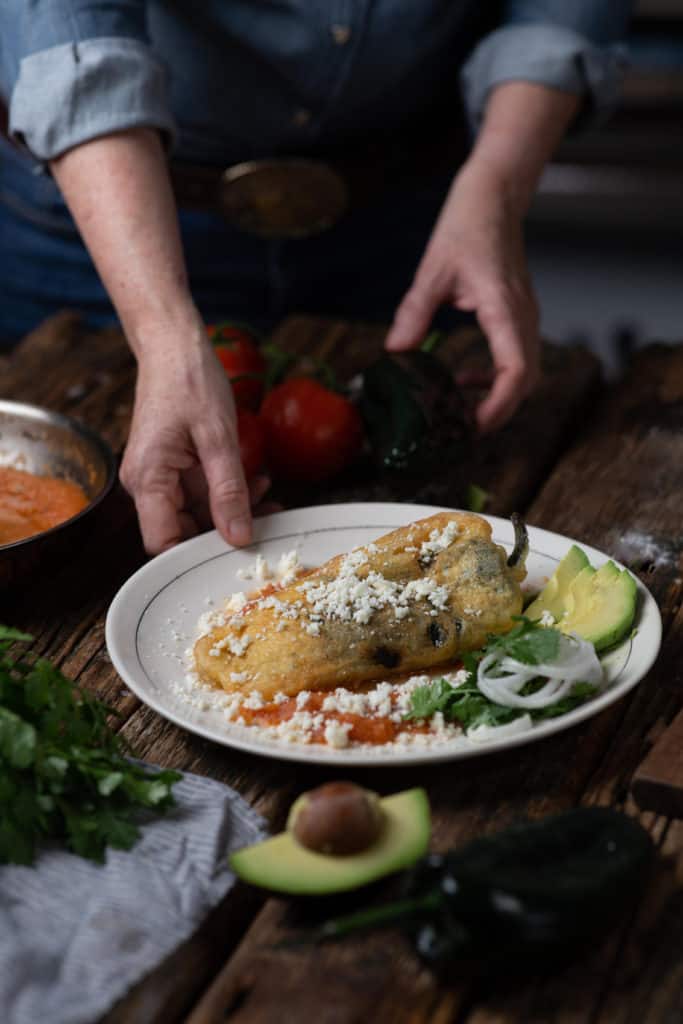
(118, 190)
(523, 125)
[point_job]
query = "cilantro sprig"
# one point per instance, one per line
(64, 773)
(465, 703)
(527, 642)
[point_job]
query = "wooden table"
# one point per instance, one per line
(602, 465)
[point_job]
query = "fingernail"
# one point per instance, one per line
(239, 531)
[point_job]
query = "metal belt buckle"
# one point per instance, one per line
(282, 198)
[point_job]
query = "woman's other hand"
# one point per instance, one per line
(474, 260)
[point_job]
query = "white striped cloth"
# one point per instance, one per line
(75, 936)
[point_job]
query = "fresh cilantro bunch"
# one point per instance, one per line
(63, 771)
(527, 642)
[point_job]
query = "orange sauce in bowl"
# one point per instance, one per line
(31, 504)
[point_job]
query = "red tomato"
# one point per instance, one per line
(252, 437)
(238, 352)
(311, 432)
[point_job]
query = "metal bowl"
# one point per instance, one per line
(50, 444)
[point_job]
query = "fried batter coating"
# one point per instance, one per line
(413, 600)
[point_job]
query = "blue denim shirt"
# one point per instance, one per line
(234, 80)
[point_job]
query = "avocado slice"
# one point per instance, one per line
(553, 596)
(601, 606)
(284, 865)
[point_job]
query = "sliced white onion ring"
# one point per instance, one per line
(501, 677)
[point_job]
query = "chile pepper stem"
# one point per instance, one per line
(431, 341)
(386, 914)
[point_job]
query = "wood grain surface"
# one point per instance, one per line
(601, 465)
(658, 781)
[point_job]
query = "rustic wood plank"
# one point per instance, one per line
(85, 374)
(646, 983)
(658, 782)
(591, 495)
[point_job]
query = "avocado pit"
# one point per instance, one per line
(337, 819)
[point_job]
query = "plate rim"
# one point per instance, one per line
(359, 756)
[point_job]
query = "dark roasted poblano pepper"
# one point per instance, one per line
(415, 417)
(530, 892)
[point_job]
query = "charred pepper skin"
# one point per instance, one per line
(534, 890)
(521, 898)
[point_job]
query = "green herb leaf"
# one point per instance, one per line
(427, 700)
(579, 694)
(17, 740)
(9, 636)
(64, 773)
(527, 642)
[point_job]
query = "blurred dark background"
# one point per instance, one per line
(606, 229)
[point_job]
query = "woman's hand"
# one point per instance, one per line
(475, 261)
(182, 463)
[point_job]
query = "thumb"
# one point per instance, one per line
(228, 491)
(414, 315)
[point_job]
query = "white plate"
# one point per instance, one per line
(153, 620)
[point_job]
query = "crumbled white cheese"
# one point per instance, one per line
(237, 645)
(460, 677)
(287, 610)
(439, 540)
(547, 618)
(288, 567)
(236, 602)
(239, 677)
(260, 570)
(337, 734)
(388, 699)
(425, 588)
(350, 597)
(254, 701)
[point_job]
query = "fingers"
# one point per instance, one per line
(218, 453)
(163, 522)
(415, 313)
(512, 334)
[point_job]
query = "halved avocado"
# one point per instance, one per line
(284, 865)
(553, 596)
(601, 605)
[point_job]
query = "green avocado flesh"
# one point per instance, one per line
(282, 864)
(553, 596)
(599, 605)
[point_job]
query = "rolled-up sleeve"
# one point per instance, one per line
(85, 69)
(575, 47)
